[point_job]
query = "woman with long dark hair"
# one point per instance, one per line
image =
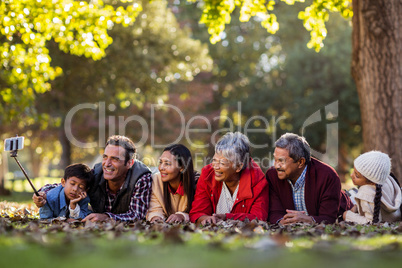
(173, 187)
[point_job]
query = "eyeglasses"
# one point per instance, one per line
(221, 163)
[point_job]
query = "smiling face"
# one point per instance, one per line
(113, 163)
(224, 169)
(286, 167)
(169, 168)
(358, 179)
(73, 186)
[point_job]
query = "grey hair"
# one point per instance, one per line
(297, 146)
(235, 147)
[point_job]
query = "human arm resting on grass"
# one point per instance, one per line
(40, 200)
(203, 220)
(363, 211)
(45, 212)
(329, 201)
(202, 206)
(155, 210)
(294, 216)
(280, 197)
(139, 201)
(177, 218)
(79, 207)
(360, 218)
(138, 206)
(255, 207)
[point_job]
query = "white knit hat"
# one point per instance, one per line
(374, 165)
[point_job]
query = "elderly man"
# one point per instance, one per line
(122, 186)
(301, 188)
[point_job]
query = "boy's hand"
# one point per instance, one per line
(40, 200)
(74, 202)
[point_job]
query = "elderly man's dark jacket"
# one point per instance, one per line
(323, 196)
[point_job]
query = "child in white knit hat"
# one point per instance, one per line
(379, 197)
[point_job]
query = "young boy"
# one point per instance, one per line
(70, 198)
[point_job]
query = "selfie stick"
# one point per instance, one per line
(14, 155)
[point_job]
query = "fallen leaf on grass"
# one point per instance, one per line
(172, 235)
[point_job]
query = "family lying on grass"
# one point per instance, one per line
(298, 188)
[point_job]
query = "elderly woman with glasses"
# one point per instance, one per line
(232, 187)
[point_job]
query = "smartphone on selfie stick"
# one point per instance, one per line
(12, 145)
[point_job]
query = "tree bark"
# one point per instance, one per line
(66, 149)
(377, 71)
(35, 162)
(3, 172)
(343, 163)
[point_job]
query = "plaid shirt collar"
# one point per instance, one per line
(109, 193)
(298, 192)
(300, 181)
(111, 197)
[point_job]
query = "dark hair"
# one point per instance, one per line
(81, 171)
(187, 176)
(297, 146)
(124, 142)
(377, 202)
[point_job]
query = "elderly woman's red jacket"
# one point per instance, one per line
(252, 196)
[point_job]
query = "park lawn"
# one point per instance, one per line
(21, 185)
(27, 242)
(128, 251)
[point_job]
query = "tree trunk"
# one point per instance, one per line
(3, 172)
(35, 162)
(377, 71)
(66, 149)
(343, 163)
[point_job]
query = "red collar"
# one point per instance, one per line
(248, 177)
(180, 190)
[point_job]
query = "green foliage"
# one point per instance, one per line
(276, 78)
(138, 68)
(27, 26)
(314, 80)
(216, 14)
(317, 14)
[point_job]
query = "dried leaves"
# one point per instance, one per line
(22, 221)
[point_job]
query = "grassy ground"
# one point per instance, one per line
(27, 242)
(20, 197)
(128, 251)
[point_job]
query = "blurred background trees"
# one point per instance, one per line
(375, 62)
(162, 72)
(278, 82)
